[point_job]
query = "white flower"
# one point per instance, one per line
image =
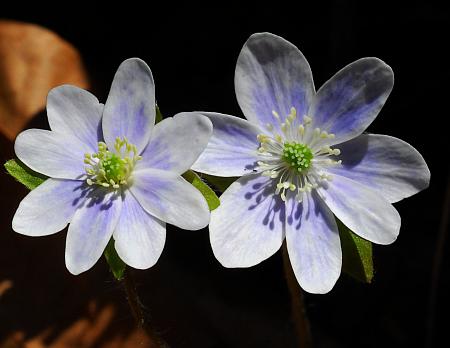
(302, 157)
(113, 173)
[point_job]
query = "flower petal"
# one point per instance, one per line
(362, 210)
(232, 149)
(348, 103)
(53, 154)
(176, 142)
(48, 208)
(248, 226)
(385, 164)
(313, 244)
(139, 237)
(272, 74)
(170, 198)
(74, 111)
(91, 229)
(130, 108)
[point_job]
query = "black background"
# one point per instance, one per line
(192, 51)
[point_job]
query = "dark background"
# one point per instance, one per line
(191, 299)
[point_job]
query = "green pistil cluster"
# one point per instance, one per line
(298, 156)
(111, 169)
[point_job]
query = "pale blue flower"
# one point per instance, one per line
(113, 173)
(303, 159)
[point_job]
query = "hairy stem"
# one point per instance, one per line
(298, 312)
(437, 261)
(138, 313)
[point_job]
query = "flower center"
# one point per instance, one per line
(111, 169)
(298, 156)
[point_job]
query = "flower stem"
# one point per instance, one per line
(298, 312)
(437, 261)
(138, 312)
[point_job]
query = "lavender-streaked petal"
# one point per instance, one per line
(232, 149)
(170, 198)
(130, 108)
(48, 208)
(385, 164)
(53, 154)
(348, 103)
(272, 75)
(177, 142)
(76, 112)
(364, 211)
(313, 244)
(91, 229)
(139, 237)
(249, 225)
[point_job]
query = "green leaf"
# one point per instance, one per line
(220, 183)
(116, 265)
(23, 174)
(205, 190)
(159, 116)
(357, 259)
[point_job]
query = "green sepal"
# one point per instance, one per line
(116, 265)
(218, 182)
(211, 198)
(158, 116)
(23, 174)
(357, 257)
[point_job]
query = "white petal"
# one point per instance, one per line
(48, 208)
(91, 229)
(139, 237)
(248, 226)
(232, 149)
(53, 154)
(76, 112)
(362, 210)
(130, 108)
(170, 198)
(272, 75)
(313, 244)
(176, 142)
(385, 164)
(348, 103)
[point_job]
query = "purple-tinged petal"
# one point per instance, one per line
(170, 198)
(139, 237)
(272, 75)
(53, 154)
(385, 164)
(177, 142)
(91, 229)
(362, 210)
(248, 226)
(130, 108)
(232, 149)
(313, 244)
(48, 208)
(348, 103)
(76, 112)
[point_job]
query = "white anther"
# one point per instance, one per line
(324, 135)
(336, 152)
(301, 129)
(275, 114)
(307, 119)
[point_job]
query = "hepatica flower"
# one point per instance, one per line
(303, 160)
(112, 171)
